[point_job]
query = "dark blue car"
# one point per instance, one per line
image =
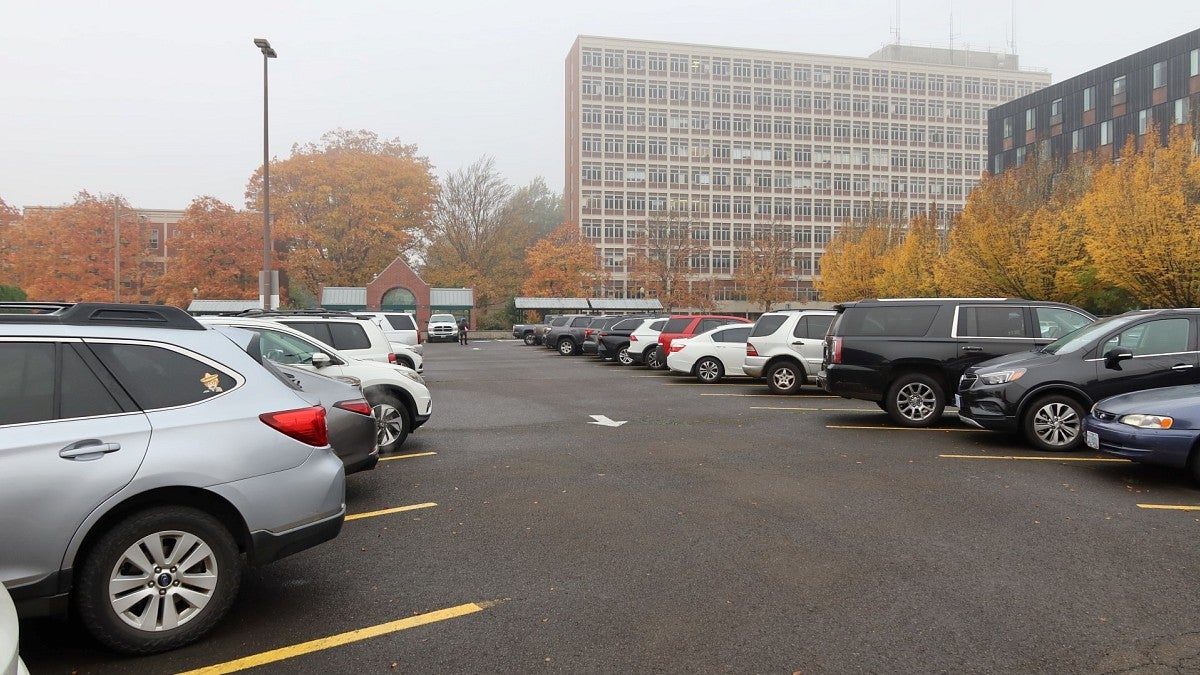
(1155, 426)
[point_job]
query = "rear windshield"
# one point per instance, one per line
(677, 325)
(767, 324)
(898, 321)
(627, 324)
(401, 321)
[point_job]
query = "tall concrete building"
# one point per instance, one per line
(746, 139)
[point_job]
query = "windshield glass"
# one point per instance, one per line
(1085, 336)
(442, 317)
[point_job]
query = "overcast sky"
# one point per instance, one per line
(162, 101)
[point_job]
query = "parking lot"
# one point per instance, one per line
(718, 528)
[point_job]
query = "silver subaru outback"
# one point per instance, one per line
(143, 460)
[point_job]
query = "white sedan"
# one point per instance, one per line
(712, 355)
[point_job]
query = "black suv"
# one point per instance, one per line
(907, 354)
(1045, 394)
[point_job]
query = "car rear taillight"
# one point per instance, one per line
(750, 350)
(602, 334)
(418, 337)
(633, 338)
(835, 352)
(391, 358)
(306, 425)
(677, 346)
(587, 333)
(358, 405)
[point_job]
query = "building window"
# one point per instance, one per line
(1089, 99)
(1076, 140)
(1160, 74)
(1056, 111)
(1118, 90)
(1021, 156)
(1030, 119)
(1106, 132)
(1195, 69)
(1143, 121)
(1182, 110)
(154, 238)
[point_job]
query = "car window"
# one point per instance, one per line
(894, 321)
(560, 321)
(284, 347)
(161, 378)
(739, 334)
(1003, 321)
(1055, 322)
(82, 394)
(767, 324)
(349, 336)
(580, 321)
(658, 325)
(442, 317)
(1163, 336)
(400, 321)
(627, 324)
(813, 326)
(677, 325)
(27, 388)
(316, 329)
(709, 324)
(1085, 337)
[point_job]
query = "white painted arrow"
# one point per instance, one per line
(604, 421)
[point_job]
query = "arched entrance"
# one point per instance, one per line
(398, 299)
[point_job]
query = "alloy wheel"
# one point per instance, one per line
(163, 580)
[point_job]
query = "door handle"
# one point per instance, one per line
(969, 348)
(1183, 366)
(90, 446)
(798, 343)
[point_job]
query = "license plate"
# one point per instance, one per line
(1092, 439)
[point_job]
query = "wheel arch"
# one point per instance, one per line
(194, 497)
(400, 393)
(1061, 388)
(786, 358)
(926, 368)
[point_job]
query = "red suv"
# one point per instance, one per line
(685, 327)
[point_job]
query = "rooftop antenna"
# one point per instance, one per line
(1012, 27)
(896, 24)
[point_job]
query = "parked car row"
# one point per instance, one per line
(191, 447)
(1128, 385)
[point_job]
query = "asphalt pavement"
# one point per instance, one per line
(717, 528)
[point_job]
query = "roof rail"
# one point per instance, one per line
(98, 313)
(312, 311)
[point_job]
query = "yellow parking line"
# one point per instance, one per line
(384, 512)
(774, 396)
(408, 456)
(340, 639)
(1048, 459)
(841, 426)
(1169, 507)
(767, 407)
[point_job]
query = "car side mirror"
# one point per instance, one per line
(1114, 357)
(320, 360)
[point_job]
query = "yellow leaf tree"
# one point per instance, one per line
(765, 265)
(1143, 221)
(346, 206)
(854, 260)
(907, 269)
(216, 252)
(562, 265)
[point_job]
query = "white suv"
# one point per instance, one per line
(399, 327)
(644, 339)
(785, 347)
(398, 395)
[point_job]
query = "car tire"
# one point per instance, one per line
(394, 421)
(709, 370)
(784, 377)
(566, 347)
(1054, 423)
(121, 583)
(530, 340)
(656, 359)
(915, 400)
(623, 356)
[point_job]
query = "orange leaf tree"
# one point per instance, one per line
(346, 206)
(218, 251)
(853, 260)
(562, 265)
(661, 257)
(1143, 221)
(66, 253)
(907, 270)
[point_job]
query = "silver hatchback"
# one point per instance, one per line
(143, 459)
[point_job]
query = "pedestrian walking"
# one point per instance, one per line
(462, 331)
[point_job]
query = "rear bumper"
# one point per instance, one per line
(270, 546)
(851, 382)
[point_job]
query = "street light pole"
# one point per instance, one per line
(267, 282)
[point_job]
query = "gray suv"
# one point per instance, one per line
(143, 459)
